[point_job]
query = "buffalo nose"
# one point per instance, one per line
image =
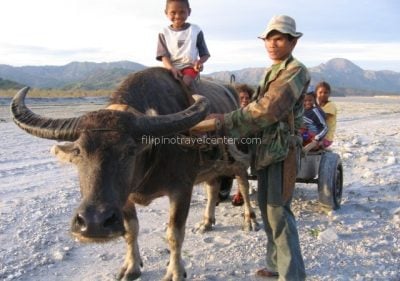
(101, 224)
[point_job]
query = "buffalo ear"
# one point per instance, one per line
(67, 152)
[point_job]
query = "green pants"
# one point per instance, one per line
(283, 247)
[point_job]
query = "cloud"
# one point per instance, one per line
(57, 32)
(19, 55)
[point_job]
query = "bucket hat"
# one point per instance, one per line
(283, 24)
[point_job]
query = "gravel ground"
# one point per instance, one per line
(360, 241)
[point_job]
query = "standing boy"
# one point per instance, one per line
(245, 93)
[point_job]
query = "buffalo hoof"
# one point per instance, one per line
(126, 275)
(251, 226)
(250, 223)
(170, 277)
(203, 227)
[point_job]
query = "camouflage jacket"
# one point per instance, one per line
(280, 92)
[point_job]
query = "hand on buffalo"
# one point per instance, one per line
(212, 122)
(217, 116)
(176, 73)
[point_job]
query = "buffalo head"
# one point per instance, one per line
(103, 145)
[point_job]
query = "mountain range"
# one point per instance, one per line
(75, 75)
(345, 77)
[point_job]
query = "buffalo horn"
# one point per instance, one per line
(43, 127)
(162, 125)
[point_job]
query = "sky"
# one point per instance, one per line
(56, 32)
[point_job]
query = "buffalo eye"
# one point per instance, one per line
(66, 152)
(75, 152)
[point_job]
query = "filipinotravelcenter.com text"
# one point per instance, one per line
(185, 140)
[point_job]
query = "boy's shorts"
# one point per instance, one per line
(189, 71)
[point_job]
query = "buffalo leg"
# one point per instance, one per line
(250, 222)
(131, 267)
(178, 212)
(212, 189)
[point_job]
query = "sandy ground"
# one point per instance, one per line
(360, 241)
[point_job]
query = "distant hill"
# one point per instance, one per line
(8, 84)
(345, 77)
(71, 75)
(100, 79)
(343, 73)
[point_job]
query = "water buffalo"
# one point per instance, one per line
(118, 167)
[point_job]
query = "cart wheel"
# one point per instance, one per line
(330, 180)
(225, 188)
